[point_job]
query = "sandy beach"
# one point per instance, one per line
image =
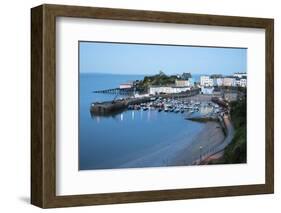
(210, 137)
(184, 152)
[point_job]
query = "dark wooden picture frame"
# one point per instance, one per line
(43, 105)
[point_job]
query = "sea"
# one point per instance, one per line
(110, 142)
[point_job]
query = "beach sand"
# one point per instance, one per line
(184, 152)
(211, 136)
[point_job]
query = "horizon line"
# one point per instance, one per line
(106, 73)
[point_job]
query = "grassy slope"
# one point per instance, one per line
(235, 152)
(159, 79)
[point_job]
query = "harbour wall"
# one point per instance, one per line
(102, 108)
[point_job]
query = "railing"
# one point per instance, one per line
(210, 151)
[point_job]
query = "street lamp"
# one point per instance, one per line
(200, 153)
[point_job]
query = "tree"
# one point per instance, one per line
(161, 73)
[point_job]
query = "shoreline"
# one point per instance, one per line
(210, 137)
(182, 153)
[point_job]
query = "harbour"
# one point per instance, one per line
(139, 102)
(130, 133)
(153, 124)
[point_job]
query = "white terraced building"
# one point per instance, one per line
(154, 90)
(238, 79)
(218, 82)
(229, 82)
(241, 82)
(206, 81)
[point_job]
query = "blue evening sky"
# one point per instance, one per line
(118, 58)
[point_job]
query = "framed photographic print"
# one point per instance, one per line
(136, 106)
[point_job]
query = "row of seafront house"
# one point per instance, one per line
(209, 83)
(185, 82)
(236, 80)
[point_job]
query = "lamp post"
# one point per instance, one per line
(200, 153)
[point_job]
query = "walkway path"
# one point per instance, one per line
(220, 147)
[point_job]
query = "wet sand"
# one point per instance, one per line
(211, 136)
(184, 152)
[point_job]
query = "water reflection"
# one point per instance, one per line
(148, 115)
(133, 115)
(113, 114)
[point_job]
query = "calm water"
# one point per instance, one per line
(109, 142)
